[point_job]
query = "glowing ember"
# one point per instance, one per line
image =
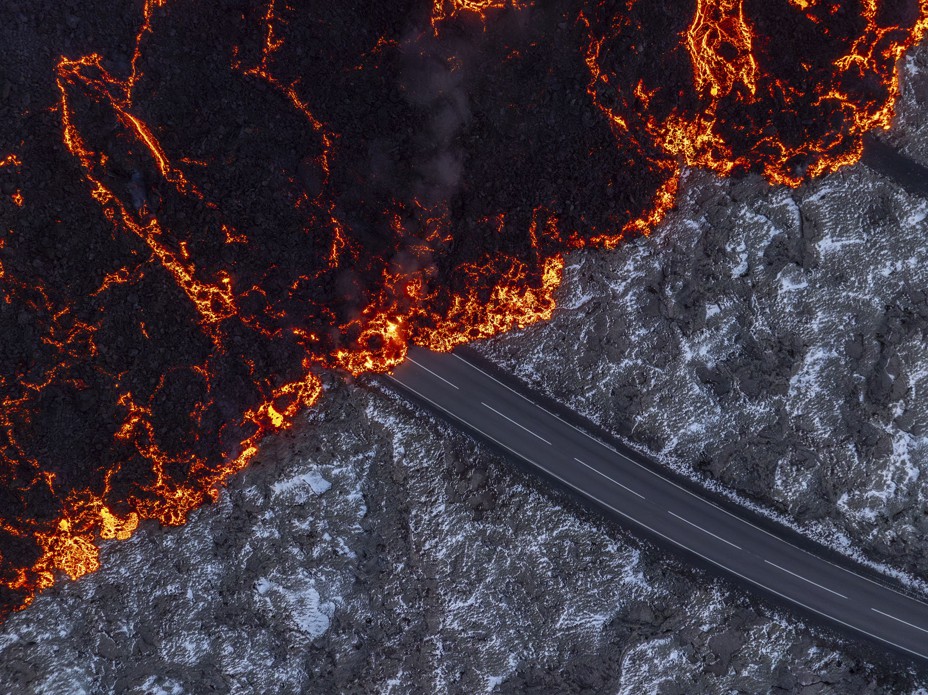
(281, 197)
(443, 10)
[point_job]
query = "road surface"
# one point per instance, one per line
(753, 551)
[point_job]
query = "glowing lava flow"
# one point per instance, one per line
(442, 10)
(271, 196)
(790, 111)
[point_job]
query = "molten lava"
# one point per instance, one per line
(273, 195)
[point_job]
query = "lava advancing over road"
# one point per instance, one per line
(260, 192)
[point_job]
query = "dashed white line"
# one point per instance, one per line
(900, 620)
(437, 376)
(515, 423)
(654, 531)
(799, 576)
(606, 446)
(611, 480)
(687, 521)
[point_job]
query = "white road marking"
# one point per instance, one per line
(437, 376)
(687, 521)
(899, 620)
(607, 447)
(655, 532)
(515, 423)
(799, 576)
(611, 480)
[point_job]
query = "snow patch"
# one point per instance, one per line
(300, 602)
(299, 486)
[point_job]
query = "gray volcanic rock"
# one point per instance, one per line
(910, 129)
(772, 340)
(379, 551)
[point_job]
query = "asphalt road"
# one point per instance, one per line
(889, 162)
(759, 555)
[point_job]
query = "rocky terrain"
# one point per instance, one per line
(379, 551)
(767, 340)
(772, 341)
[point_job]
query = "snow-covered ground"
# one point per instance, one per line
(772, 340)
(380, 551)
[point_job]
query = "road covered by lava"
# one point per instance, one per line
(267, 192)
